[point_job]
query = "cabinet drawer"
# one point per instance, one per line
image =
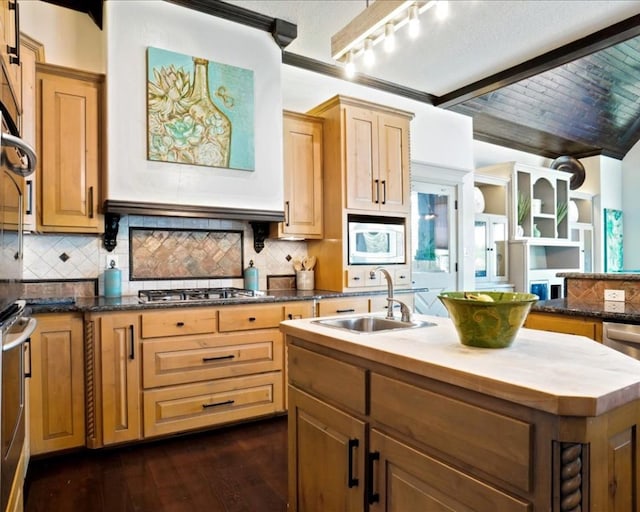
(499, 445)
(346, 306)
(323, 376)
(241, 318)
(174, 322)
(302, 309)
(401, 276)
(167, 362)
(178, 408)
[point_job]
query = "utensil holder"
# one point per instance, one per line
(305, 280)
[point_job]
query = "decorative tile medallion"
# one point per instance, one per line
(181, 254)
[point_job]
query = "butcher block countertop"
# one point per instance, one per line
(557, 373)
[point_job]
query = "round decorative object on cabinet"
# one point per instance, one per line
(478, 199)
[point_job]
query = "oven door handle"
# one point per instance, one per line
(623, 336)
(16, 339)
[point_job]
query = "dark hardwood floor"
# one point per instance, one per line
(235, 469)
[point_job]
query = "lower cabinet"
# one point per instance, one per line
(112, 343)
(327, 448)
(393, 445)
(56, 389)
(211, 366)
(582, 326)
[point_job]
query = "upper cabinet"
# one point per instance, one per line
(69, 144)
(302, 142)
(374, 165)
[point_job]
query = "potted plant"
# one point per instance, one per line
(524, 205)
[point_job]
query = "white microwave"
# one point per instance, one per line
(376, 243)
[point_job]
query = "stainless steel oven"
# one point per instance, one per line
(16, 332)
(17, 160)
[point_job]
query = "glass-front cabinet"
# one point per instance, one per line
(491, 254)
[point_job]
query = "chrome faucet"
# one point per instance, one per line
(404, 309)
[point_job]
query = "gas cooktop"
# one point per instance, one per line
(197, 294)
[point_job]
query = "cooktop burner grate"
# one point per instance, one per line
(193, 294)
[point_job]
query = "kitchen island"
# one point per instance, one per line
(413, 420)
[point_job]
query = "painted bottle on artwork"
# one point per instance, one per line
(214, 148)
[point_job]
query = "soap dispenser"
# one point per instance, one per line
(112, 281)
(251, 277)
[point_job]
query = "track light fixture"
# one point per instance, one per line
(379, 22)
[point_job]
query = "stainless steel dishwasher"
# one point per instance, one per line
(622, 337)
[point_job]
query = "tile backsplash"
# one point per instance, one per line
(83, 256)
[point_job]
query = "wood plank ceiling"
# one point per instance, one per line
(579, 100)
(588, 106)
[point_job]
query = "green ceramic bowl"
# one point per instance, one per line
(488, 324)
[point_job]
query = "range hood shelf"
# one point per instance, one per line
(259, 219)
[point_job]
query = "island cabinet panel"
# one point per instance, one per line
(180, 408)
(167, 361)
(328, 378)
(495, 444)
(405, 479)
(258, 316)
(176, 322)
(326, 457)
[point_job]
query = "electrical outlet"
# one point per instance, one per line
(613, 307)
(110, 258)
(614, 295)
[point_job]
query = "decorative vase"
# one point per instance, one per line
(536, 231)
(519, 230)
(573, 212)
(214, 142)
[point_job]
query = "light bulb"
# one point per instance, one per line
(369, 57)
(389, 37)
(350, 67)
(442, 9)
(414, 22)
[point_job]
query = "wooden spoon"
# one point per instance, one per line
(310, 262)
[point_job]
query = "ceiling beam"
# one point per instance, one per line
(283, 32)
(587, 45)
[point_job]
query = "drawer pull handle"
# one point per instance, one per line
(132, 342)
(348, 310)
(252, 319)
(356, 278)
(351, 480)
(179, 324)
(207, 359)
(226, 402)
(372, 497)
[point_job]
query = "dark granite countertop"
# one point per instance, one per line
(626, 312)
(131, 302)
(609, 276)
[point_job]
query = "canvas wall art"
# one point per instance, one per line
(613, 242)
(199, 112)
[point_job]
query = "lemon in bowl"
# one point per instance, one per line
(487, 319)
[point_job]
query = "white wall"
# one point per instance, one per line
(631, 207)
(70, 38)
(133, 26)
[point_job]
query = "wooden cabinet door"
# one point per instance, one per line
(363, 183)
(326, 457)
(119, 353)
(69, 133)
(403, 478)
(393, 158)
(56, 394)
(302, 176)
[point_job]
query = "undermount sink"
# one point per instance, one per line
(370, 324)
